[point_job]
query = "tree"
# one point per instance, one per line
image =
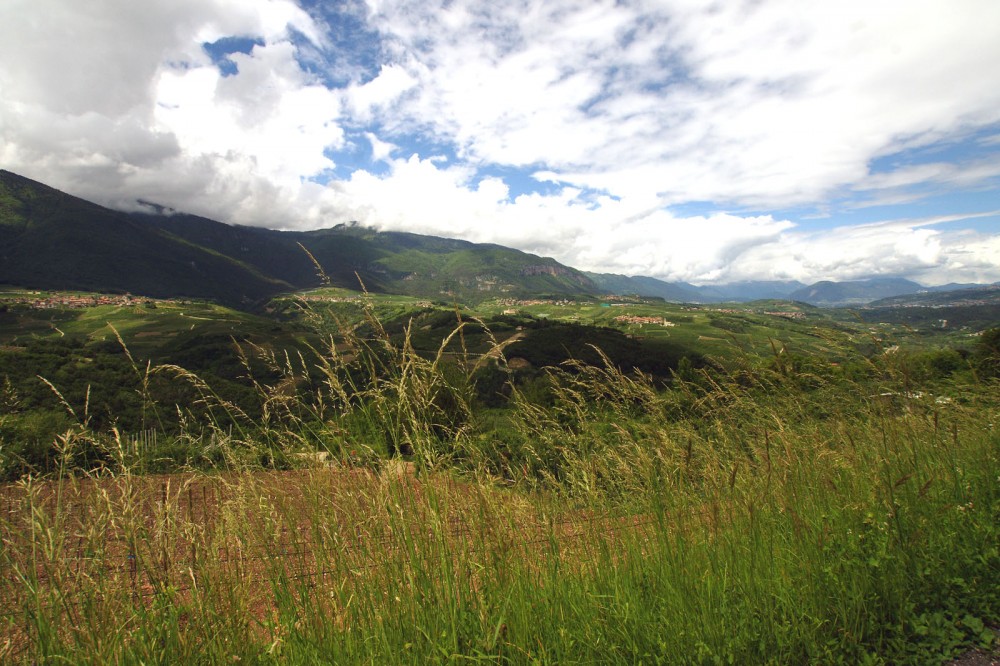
(988, 352)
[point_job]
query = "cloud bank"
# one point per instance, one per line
(688, 141)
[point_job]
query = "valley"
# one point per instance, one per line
(366, 447)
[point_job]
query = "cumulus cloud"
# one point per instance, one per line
(623, 112)
(381, 150)
(639, 237)
(269, 111)
(379, 94)
(928, 252)
(744, 102)
(117, 101)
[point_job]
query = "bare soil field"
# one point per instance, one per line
(142, 539)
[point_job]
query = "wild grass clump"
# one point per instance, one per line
(767, 512)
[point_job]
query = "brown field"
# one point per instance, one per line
(125, 542)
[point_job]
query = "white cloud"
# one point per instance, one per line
(970, 174)
(117, 101)
(269, 112)
(918, 249)
(603, 234)
(626, 107)
(638, 237)
(380, 93)
(759, 103)
(381, 150)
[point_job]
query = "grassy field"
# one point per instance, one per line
(718, 331)
(145, 325)
(829, 504)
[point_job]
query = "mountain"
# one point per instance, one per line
(682, 292)
(854, 293)
(750, 290)
(395, 262)
(955, 286)
(419, 265)
(52, 240)
(971, 309)
(826, 293)
(623, 285)
(940, 297)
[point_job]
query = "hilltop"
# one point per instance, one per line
(52, 240)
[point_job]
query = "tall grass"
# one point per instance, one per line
(765, 513)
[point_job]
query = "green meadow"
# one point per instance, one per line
(358, 478)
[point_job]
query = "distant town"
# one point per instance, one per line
(38, 300)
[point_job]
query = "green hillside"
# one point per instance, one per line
(51, 240)
(552, 473)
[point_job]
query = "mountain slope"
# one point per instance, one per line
(682, 292)
(640, 285)
(750, 290)
(965, 295)
(395, 262)
(971, 309)
(51, 240)
(854, 293)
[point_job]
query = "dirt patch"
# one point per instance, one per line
(981, 657)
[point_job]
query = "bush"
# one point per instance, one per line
(27, 442)
(987, 353)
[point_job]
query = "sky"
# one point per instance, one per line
(688, 140)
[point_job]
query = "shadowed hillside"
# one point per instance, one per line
(52, 240)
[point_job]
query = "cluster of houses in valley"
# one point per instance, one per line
(788, 315)
(633, 319)
(50, 301)
(322, 298)
(512, 303)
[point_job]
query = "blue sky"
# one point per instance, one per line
(764, 139)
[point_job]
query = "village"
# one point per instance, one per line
(38, 300)
(632, 319)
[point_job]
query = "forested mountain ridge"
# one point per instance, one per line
(52, 240)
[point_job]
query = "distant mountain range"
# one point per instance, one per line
(823, 294)
(863, 292)
(854, 293)
(689, 293)
(968, 308)
(949, 295)
(52, 240)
